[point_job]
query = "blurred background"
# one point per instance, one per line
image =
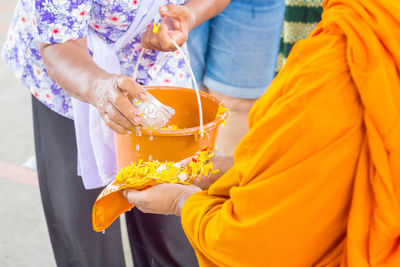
(24, 239)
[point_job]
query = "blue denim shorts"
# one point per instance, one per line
(235, 53)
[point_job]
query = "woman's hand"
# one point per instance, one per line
(72, 67)
(161, 199)
(176, 24)
(179, 20)
(112, 96)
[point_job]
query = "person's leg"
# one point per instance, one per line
(236, 127)
(242, 51)
(67, 205)
(158, 240)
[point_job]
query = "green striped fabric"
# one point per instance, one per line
(301, 18)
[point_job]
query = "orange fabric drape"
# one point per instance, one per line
(316, 181)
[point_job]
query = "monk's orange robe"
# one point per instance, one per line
(316, 181)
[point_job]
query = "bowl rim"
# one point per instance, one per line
(187, 131)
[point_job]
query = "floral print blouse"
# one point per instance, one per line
(58, 21)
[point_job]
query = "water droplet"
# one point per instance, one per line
(150, 158)
(151, 138)
(139, 133)
(137, 147)
(103, 232)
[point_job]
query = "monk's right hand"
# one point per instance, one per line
(220, 162)
(112, 96)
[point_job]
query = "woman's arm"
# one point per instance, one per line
(71, 66)
(179, 20)
(203, 10)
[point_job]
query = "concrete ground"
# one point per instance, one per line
(24, 238)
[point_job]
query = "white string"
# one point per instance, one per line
(195, 86)
(137, 64)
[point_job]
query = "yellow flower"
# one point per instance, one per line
(156, 26)
(170, 127)
(222, 111)
(167, 172)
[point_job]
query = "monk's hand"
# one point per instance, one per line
(111, 95)
(220, 162)
(176, 23)
(161, 199)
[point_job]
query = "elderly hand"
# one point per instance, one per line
(72, 67)
(112, 95)
(176, 23)
(161, 199)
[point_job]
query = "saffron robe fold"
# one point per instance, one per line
(316, 181)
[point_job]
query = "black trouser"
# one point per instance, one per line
(158, 240)
(67, 205)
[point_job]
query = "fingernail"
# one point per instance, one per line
(143, 96)
(137, 119)
(138, 128)
(164, 9)
(129, 132)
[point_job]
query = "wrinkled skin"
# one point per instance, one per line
(71, 66)
(112, 97)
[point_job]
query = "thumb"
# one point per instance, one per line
(130, 195)
(134, 89)
(171, 10)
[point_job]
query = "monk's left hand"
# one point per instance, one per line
(161, 199)
(176, 23)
